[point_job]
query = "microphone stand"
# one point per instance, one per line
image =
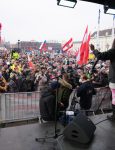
(93, 67)
(56, 135)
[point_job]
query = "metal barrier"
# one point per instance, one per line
(102, 99)
(19, 106)
(23, 105)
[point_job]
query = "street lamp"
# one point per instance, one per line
(108, 10)
(18, 44)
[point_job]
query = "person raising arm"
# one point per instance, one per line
(108, 55)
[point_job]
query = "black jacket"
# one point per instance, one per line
(109, 55)
(47, 104)
(85, 92)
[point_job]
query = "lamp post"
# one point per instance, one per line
(0, 32)
(18, 44)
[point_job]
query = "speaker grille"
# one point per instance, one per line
(81, 129)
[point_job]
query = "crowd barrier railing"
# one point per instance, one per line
(19, 106)
(102, 99)
(25, 105)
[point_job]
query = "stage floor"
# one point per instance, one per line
(23, 137)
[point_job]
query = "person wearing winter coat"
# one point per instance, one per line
(58, 92)
(48, 101)
(64, 92)
(12, 84)
(85, 91)
(108, 55)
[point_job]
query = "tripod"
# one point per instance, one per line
(56, 135)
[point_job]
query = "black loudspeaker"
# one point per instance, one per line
(81, 129)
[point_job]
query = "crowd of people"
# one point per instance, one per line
(17, 75)
(26, 73)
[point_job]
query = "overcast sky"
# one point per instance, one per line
(41, 20)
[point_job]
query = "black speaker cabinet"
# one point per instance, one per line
(81, 129)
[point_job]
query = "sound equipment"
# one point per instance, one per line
(81, 129)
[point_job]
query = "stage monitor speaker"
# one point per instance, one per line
(81, 129)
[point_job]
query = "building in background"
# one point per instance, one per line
(33, 45)
(105, 39)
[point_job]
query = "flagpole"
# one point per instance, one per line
(113, 28)
(98, 29)
(0, 33)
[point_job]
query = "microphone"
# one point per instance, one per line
(93, 67)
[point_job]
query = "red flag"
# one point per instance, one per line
(0, 26)
(43, 47)
(83, 52)
(68, 45)
(86, 53)
(30, 48)
(30, 63)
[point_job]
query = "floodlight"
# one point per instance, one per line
(108, 10)
(67, 3)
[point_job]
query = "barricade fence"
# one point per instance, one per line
(102, 99)
(25, 105)
(19, 106)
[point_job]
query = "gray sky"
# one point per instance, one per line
(43, 20)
